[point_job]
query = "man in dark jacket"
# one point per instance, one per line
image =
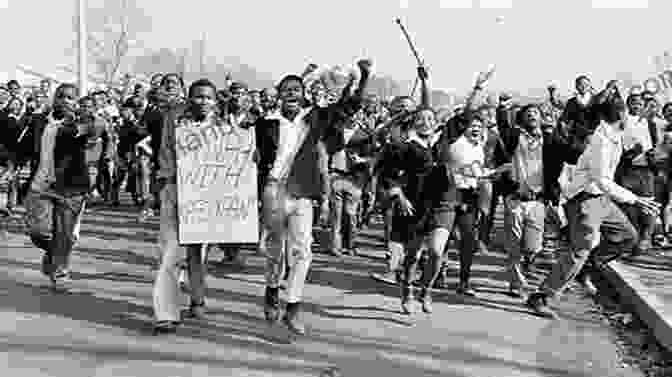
(294, 161)
(55, 202)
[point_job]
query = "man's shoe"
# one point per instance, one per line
(539, 303)
(407, 300)
(291, 319)
(335, 253)
(588, 285)
(59, 278)
(47, 267)
(196, 311)
(515, 291)
(426, 300)
(272, 305)
(392, 277)
(465, 289)
(165, 327)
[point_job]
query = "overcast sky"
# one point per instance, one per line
(537, 42)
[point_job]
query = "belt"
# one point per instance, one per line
(528, 197)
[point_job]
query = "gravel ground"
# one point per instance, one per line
(637, 345)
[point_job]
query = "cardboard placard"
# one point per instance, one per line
(216, 183)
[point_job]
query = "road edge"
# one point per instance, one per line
(648, 307)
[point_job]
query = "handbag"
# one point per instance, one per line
(274, 198)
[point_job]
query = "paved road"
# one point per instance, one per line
(101, 327)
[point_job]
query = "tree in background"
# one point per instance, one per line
(114, 30)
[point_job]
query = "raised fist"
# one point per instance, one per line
(422, 73)
(365, 66)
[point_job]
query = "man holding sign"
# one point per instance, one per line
(199, 174)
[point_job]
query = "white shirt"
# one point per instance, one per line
(290, 133)
(596, 167)
(636, 131)
(46, 174)
(466, 162)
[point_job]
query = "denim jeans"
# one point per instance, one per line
(52, 225)
(344, 207)
(524, 234)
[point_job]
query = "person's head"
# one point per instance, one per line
(318, 91)
(14, 88)
(126, 112)
(155, 81)
(65, 101)
(424, 122)
(269, 98)
(473, 126)
(15, 106)
(612, 111)
(202, 98)
(172, 84)
(553, 93)
(4, 97)
(651, 105)
(488, 114)
(635, 104)
(255, 97)
(400, 104)
(41, 100)
(530, 116)
(87, 105)
(239, 94)
(291, 93)
(667, 112)
(582, 84)
(45, 86)
(100, 99)
(139, 90)
(371, 104)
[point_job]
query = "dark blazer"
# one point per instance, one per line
(308, 175)
(557, 151)
(72, 175)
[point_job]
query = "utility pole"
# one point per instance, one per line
(202, 57)
(81, 51)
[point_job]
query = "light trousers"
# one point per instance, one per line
(166, 293)
(524, 230)
(289, 245)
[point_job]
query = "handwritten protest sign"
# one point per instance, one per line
(217, 183)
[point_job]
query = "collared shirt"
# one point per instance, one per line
(466, 162)
(636, 131)
(528, 169)
(596, 167)
(46, 170)
(290, 135)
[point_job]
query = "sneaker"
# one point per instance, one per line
(539, 303)
(196, 311)
(407, 301)
(291, 319)
(60, 278)
(165, 327)
(46, 265)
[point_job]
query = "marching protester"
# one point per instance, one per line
(200, 112)
(596, 223)
(293, 156)
(57, 194)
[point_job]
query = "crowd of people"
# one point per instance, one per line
(594, 170)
